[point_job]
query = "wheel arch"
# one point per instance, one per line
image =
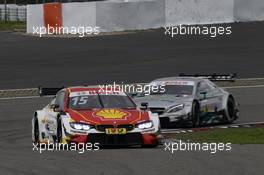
(225, 100)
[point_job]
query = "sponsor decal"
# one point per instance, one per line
(90, 93)
(186, 83)
(111, 114)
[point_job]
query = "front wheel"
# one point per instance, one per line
(195, 114)
(59, 131)
(36, 130)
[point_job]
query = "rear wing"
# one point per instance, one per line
(48, 91)
(213, 77)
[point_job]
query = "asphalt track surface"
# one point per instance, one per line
(30, 61)
(17, 156)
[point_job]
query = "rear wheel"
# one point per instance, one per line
(230, 111)
(195, 114)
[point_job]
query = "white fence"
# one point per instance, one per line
(13, 12)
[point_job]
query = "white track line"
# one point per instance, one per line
(243, 87)
(27, 97)
(26, 89)
(250, 79)
(180, 130)
(248, 123)
(31, 97)
(228, 87)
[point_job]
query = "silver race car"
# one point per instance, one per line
(190, 99)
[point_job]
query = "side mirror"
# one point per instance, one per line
(136, 94)
(133, 94)
(55, 107)
(141, 95)
(202, 95)
(145, 105)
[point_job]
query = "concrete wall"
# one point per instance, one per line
(130, 15)
(248, 10)
(119, 15)
(198, 11)
(34, 17)
(79, 14)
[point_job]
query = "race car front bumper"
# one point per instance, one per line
(116, 140)
(97, 134)
(127, 139)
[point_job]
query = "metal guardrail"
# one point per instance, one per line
(18, 13)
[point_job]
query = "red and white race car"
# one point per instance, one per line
(92, 115)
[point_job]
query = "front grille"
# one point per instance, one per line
(157, 110)
(128, 127)
(102, 128)
(126, 139)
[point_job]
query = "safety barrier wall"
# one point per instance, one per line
(248, 10)
(35, 17)
(79, 14)
(120, 15)
(130, 15)
(198, 11)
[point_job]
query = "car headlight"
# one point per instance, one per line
(80, 126)
(175, 108)
(145, 125)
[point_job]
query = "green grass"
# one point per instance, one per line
(12, 25)
(232, 135)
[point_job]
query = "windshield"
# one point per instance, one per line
(100, 101)
(174, 90)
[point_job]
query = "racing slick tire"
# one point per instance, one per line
(195, 114)
(229, 114)
(36, 130)
(60, 136)
(59, 131)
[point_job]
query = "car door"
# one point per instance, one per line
(208, 97)
(216, 97)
